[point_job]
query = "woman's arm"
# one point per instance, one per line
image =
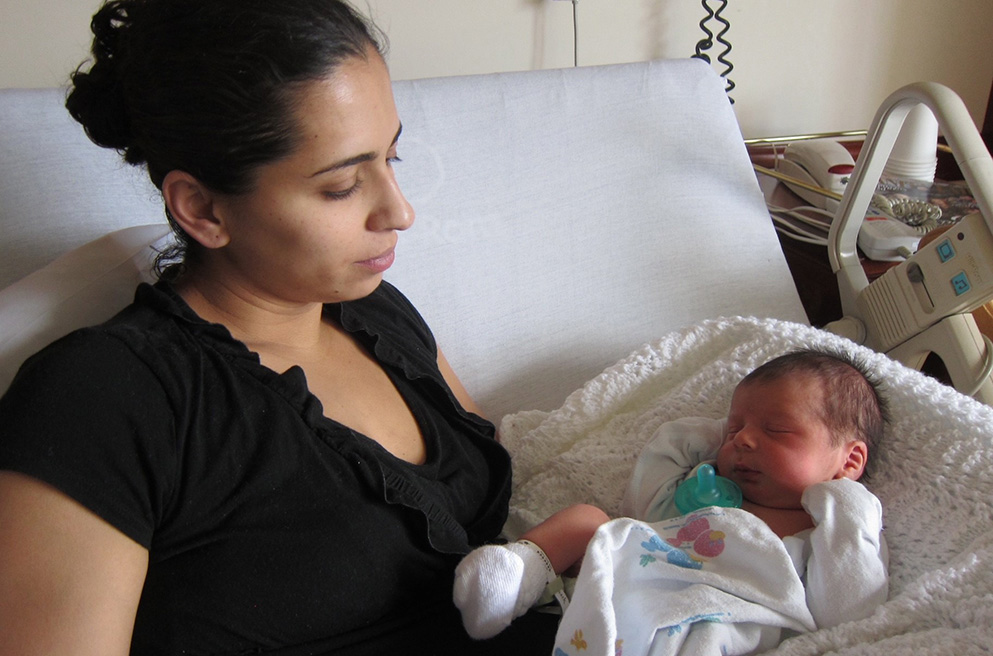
(457, 387)
(69, 581)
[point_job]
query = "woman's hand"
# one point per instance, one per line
(69, 581)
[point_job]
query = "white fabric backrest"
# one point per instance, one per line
(57, 190)
(81, 288)
(564, 218)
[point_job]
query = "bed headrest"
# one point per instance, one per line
(81, 288)
(563, 216)
(58, 191)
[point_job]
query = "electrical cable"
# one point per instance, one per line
(781, 217)
(806, 219)
(575, 33)
(708, 42)
(791, 232)
(800, 236)
(987, 368)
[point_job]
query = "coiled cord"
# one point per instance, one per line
(918, 214)
(708, 42)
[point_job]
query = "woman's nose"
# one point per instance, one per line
(392, 211)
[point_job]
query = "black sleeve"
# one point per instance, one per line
(88, 417)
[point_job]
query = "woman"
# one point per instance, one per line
(266, 452)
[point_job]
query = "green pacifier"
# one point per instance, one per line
(707, 489)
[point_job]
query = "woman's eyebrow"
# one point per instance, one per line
(356, 159)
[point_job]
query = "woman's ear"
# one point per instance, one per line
(855, 461)
(191, 204)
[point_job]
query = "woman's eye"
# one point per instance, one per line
(344, 193)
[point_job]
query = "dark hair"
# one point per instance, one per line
(207, 86)
(853, 401)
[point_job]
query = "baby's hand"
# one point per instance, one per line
(843, 500)
(848, 558)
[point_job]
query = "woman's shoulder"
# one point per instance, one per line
(87, 413)
(142, 336)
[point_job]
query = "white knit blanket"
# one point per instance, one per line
(934, 473)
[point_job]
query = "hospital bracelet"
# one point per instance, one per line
(555, 586)
(551, 575)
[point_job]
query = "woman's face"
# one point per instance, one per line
(320, 225)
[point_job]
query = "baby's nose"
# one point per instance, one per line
(744, 439)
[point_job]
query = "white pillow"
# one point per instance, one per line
(84, 287)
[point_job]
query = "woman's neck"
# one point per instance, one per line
(251, 318)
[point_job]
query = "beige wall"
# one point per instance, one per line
(800, 65)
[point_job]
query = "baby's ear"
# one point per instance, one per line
(855, 460)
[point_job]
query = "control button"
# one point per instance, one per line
(945, 250)
(960, 283)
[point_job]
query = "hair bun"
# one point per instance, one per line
(96, 98)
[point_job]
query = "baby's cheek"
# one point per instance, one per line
(724, 460)
(793, 486)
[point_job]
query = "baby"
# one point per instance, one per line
(795, 423)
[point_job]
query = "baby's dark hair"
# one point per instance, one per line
(853, 402)
(207, 86)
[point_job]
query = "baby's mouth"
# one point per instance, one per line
(745, 473)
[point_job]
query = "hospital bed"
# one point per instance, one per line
(594, 254)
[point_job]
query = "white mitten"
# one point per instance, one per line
(496, 583)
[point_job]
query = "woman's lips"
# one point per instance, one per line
(380, 263)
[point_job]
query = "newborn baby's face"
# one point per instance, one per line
(777, 445)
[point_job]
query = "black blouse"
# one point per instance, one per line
(270, 527)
